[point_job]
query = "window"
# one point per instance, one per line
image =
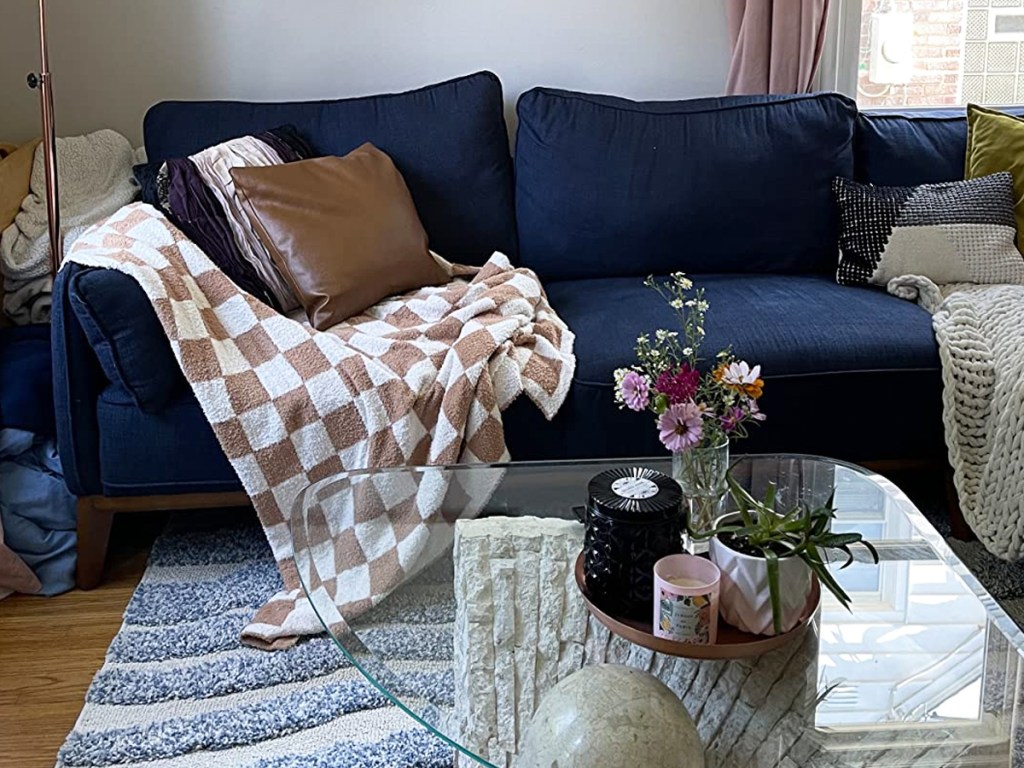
(896, 53)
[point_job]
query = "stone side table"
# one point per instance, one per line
(521, 626)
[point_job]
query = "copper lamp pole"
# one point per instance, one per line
(42, 82)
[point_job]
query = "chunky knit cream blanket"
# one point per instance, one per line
(980, 332)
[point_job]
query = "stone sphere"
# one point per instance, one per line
(613, 717)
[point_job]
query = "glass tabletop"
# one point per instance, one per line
(925, 670)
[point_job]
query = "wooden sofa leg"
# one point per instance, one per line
(93, 537)
(957, 524)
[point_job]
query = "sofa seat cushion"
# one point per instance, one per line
(609, 187)
(449, 141)
(850, 372)
(792, 326)
(803, 418)
(173, 451)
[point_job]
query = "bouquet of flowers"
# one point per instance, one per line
(692, 409)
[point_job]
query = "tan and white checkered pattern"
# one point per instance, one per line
(404, 520)
(419, 379)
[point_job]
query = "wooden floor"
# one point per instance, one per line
(50, 648)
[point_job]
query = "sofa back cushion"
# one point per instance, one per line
(448, 140)
(904, 148)
(610, 187)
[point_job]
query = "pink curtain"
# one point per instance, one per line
(776, 44)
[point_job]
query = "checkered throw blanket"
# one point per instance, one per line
(420, 379)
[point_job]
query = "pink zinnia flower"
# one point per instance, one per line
(635, 391)
(681, 427)
(680, 386)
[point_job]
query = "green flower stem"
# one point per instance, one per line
(701, 473)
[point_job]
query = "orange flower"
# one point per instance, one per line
(739, 376)
(754, 390)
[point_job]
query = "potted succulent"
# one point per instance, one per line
(767, 559)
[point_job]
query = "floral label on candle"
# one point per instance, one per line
(684, 618)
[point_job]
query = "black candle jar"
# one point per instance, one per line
(634, 517)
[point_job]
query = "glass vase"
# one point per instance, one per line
(701, 473)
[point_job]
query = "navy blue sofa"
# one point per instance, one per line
(602, 192)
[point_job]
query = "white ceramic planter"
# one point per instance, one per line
(745, 601)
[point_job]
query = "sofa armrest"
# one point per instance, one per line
(126, 336)
(77, 383)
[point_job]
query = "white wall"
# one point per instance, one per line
(111, 59)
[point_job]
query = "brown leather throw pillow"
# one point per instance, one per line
(343, 231)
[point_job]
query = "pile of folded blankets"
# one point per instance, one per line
(37, 514)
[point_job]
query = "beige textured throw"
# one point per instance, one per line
(419, 379)
(95, 173)
(980, 332)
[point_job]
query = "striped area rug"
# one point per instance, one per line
(177, 690)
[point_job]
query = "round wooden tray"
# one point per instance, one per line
(732, 643)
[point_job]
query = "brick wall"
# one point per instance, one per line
(937, 49)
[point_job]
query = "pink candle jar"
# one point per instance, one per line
(686, 592)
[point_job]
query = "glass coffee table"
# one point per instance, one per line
(925, 670)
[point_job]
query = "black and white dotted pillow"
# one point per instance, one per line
(958, 232)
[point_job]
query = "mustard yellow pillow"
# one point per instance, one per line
(995, 142)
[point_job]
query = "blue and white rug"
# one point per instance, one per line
(177, 690)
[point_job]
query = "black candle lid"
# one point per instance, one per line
(635, 494)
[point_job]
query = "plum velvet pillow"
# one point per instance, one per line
(343, 231)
